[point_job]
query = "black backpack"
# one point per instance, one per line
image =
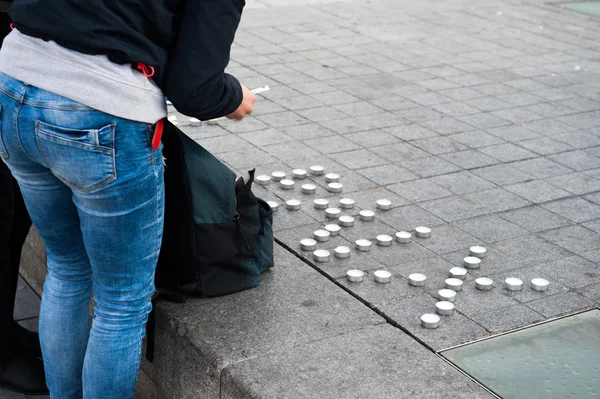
(218, 236)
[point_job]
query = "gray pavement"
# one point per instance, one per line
(479, 119)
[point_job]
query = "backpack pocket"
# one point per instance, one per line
(265, 236)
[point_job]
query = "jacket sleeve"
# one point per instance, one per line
(195, 81)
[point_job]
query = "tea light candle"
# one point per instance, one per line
(335, 187)
(513, 284)
(308, 244)
(195, 122)
(299, 173)
(454, 284)
(342, 252)
(333, 229)
(346, 203)
(317, 170)
(384, 205)
(355, 276)
(444, 308)
(346, 221)
(478, 251)
(430, 321)
(278, 175)
(263, 180)
(423, 232)
(287, 184)
(332, 213)
(293, 204)
(484, 284)
(332, 177)
(471, 262)
(540, 284)
(403, 237)
(321, 255)
(367, 216)
(363, 245)
(320, 203)
(384, 240)
(274, 205)
(417, 279)
(382, 276)
(458, 272)
(321, 235)
(447, 295)
(309, 189)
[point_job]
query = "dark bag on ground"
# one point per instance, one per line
(218, 236)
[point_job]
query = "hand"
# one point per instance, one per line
(246, 106)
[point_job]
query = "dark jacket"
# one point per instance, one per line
(186, 42)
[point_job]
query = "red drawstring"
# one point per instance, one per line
(147, 70)
(158, 131)
(12, 26)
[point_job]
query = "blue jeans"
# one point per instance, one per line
(94, 188)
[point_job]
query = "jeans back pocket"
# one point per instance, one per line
(84, 159)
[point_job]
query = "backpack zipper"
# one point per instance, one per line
(236, 217)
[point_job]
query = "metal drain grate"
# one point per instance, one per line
(559, 359)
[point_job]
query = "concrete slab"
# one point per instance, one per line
(376, 362)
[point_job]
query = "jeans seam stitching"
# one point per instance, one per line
(16, 124)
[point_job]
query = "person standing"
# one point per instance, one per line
(82, 87)
(21, 367)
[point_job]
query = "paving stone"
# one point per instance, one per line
(508, 318)
(490, 228)
(347, 125)
(375, 293)
(332, 144)
(265, 137)
(372, 138)
(438, 145)
(574, 238)
(286, 219)
(591, 291)
(541, 168)
(290, 150)
(366, 230)
(557, 305)
(410, 132)
(513, 133)
(226, 143)
(282, 119)
(382, 348)
(507, 152)
(593, 225)
(420, 190)
(445, 126)
(548, 127)
(585, 120)
(577, 160)
(461, 182)
(483, 121)
(578, 139)
(502, 174)
(306, 131)
(446, 239)
(573, 272)
(434, 267)
(462, 93)
(358, 159)
(430, 166)
(453, 208)
(526, 274)
(408, 217)
(453, 330)
(419, 114)
(532, 250)
(335, 97)
(537, 191)
(517, 115)
(367, 199)
(249, 125)
(27, 303)
(535, 218)
(575, 209)
(469, 159)
(576, 183)
(321, 114)
(399, 152)
(387, 174)
(471, 301)
(476, 139)
(595, 198)
(246, 159)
